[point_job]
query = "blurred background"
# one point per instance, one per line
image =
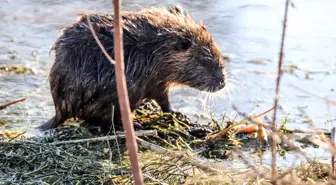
(249, 32)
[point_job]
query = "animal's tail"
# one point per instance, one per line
(48, 125)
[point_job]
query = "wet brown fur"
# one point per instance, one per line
(163, 47)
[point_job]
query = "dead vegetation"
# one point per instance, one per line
(176, 155)
(15, 69)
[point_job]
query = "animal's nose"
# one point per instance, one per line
(219, 73)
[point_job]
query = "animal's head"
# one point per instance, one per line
(187, 51)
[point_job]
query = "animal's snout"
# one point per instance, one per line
(219, 73)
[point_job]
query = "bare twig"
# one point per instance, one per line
(332, 102)
(123, 95)
(11, 103)
(122, 89)
(96, 139)
(333, 143)
(155, 180)
(98, 41)
(276, 99)
(11, 139)
(309, 131)
(283, 138)
(161, 150)
(316, 131)
(221, 132)
(153, 147)
(116, 140)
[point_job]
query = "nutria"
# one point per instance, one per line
(163, 47)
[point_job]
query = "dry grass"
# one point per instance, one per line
(37, 160)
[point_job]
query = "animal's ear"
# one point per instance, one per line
(176, 9)
(183, 45)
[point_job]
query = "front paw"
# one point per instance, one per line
(167, 109)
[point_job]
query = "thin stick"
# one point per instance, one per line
(11, 139)
(155, 180)
(276, 99)
(117, 143)
(309, 131)
(161, 150)
(96, 139)
(333, 143)
(213, 136)
(281, 135)
(153, 147)
(333, 102)
(123, 95)
(98, 41)
(11, 103)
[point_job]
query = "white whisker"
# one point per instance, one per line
(205, 105)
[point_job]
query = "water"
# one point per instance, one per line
(246, 31)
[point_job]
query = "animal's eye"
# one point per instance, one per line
(184, 45)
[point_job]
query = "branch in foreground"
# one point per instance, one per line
(276, 99)
(123, 98)
(11, 103)
(96, 139)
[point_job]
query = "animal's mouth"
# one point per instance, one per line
(216, 88)
(213, 87)
(218, 82)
